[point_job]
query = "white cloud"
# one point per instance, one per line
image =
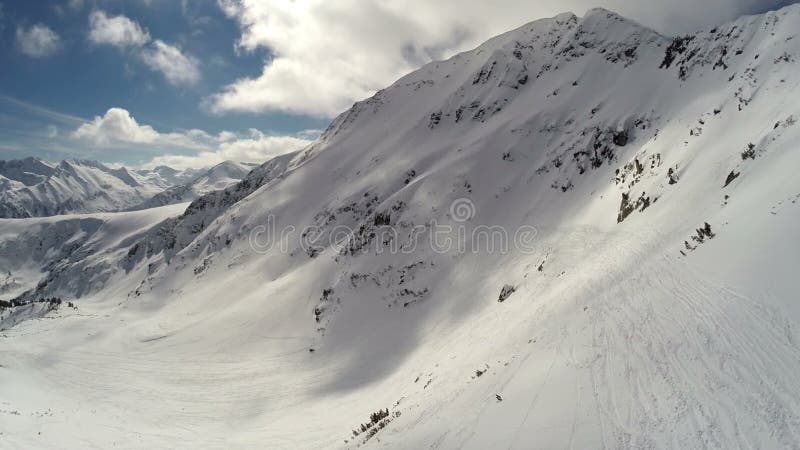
(118, 129)
(118, 31)
(260, 147)
(256, 148)
(75, 5)
(226, 136)
(326, 54)
(177, 68)
(117, 126)
(37, 41)
(310, 134)
(40, 111)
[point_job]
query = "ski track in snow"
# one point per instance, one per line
(648, 358)
(633, 325)
(662, 356)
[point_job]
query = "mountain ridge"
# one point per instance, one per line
(654, 175)
(35, 188)
(215, 178)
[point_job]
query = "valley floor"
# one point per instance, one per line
(653, 353)
(658, 307)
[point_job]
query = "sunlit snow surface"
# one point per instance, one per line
(190, 334)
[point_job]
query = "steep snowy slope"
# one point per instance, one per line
(580, 234)
(30, 249)
(216, 178)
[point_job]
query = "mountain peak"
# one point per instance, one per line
(599, 18)
(32, 187)
(601, 12)
(228, 164)
(631, 198)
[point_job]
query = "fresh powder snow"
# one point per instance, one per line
(641, 195)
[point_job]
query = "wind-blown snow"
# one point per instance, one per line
(656, 309)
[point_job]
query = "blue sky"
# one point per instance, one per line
(193, 82)
(80, 80)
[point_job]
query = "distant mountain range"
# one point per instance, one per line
(214, 179)
(33, 187)
(581, 234)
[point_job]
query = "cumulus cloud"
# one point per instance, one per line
(38, 41)
(257, 148)
(118, 31)
(310, 134)
(177, 68)
(118, 129)
(117, 125)
(258, 145)
(326, 54)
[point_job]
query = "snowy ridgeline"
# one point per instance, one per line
(35, 188)
(654, 307)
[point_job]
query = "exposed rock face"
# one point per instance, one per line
(578, 164)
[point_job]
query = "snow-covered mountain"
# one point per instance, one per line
(166, 177)
(580, 234)
(32, 187)
(216, 178)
